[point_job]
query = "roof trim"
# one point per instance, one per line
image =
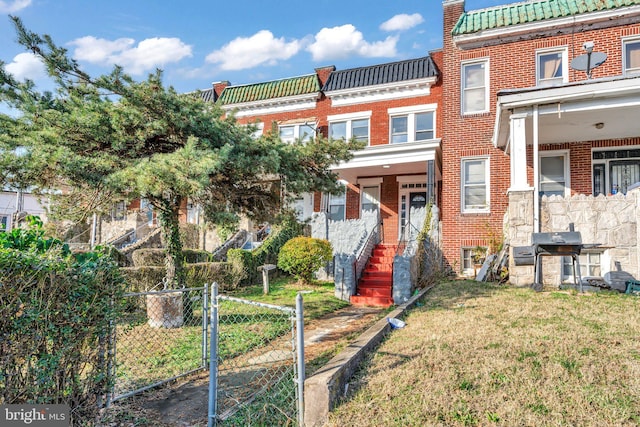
(382, 92)
(273, 105)
(551, 26)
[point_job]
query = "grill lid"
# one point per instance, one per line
(558, 238)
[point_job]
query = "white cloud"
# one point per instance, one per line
(26, 66)
(402, 22)
(260, 48)
(344, 41)
(13, 6)
(148, 54)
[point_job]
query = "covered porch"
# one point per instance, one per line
(575, 157)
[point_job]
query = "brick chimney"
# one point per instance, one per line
(218, 87)
(323, 73)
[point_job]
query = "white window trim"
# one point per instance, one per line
(565, 61)
(463, 64)
(410, 113)
(487, 167)
(567, 168)
(349, 118)
(625, 41)
(297, 130)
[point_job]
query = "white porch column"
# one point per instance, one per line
(518, 138)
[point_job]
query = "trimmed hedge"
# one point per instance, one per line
(141, 279)
(246, 262)
(302, 256)
(148, 257)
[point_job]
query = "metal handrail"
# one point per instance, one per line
(361, 252)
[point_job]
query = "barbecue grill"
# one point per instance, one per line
(563, 243)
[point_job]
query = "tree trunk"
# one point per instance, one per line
(175, 275)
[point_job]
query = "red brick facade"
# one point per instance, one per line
(512, 65)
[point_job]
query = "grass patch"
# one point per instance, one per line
(511, 357)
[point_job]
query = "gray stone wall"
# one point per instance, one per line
(518, 229)
(610, 221)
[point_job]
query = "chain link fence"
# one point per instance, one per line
(259, 356)
(161, 337)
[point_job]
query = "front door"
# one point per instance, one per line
(417, 199)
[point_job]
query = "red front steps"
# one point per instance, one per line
(375, 286)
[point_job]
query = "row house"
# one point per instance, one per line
(541, 130)
(395, 110)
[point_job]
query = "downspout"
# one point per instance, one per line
(536, 172)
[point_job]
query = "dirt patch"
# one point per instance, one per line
(185, 402)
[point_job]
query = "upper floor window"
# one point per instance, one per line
(347, 126)
(551, 67)
(303, 131)
(257, 129)
(631, 55)
(409, 124)
(475, 185)
(4, 220)
(475, 87)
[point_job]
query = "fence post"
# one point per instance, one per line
(205, 320)
(213, 356)
(300, 354)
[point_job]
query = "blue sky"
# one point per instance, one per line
(197, 42)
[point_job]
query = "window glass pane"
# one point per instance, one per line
(473, 76)
(370, 197)
(632, 56)
(360, 129)
(474, 171)
(466, 259)
(552, 168)
(424, 126)
(338, 130)
(398, 129)
(622, 174)
(474, 100)
(307, 131)
(550, 68)
(3, 222)
(287, 133)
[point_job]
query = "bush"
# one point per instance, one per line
(193, 256)
(302, 256)
(148, 257)
(57, 318)
(146, 278)
(246, 263)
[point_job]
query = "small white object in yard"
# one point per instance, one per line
(395, 323)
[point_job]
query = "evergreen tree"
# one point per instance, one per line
(107, 137)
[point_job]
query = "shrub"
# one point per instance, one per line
(302, 256)
(192, 256)
(246, 263)
(148, 257)
(58, 312)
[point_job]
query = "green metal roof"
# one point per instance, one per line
(531, 11)
(268, 90)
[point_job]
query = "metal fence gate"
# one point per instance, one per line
(257, 363)
(162, 336)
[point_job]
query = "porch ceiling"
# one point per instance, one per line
(588, 111)
(396, 159)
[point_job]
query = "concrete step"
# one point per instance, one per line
(374, 292)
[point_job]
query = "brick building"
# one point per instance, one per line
(394, 108)
(536, 121)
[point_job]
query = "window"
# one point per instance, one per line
(615, 170)
(475, 86)
(475, 185)
(370, 198)
(590, 266)
(409, 124)
(347, 126)
(303, 131)
(551, 67)
(258, 127)
(631, 58)
(4, 220)
(554, 175)
(337, 204)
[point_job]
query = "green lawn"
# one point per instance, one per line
(477, 354)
